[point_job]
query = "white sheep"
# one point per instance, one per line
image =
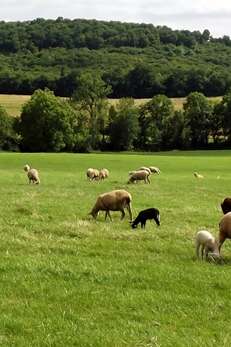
(92, 174)
(145, 168)
(197, 175)
(32, 174)
(154, 169)
(206, 242)
(141, 175)
(116, 200)
(103, 173)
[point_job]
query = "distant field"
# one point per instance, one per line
(68, 280)
(13, 103)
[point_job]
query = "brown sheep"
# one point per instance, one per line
(116, 200)
(224, 229)
(32, 174)
(141, 175)
(226, 205)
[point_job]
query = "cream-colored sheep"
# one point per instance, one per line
(141, 175)
(103, 173)
(145, 168)
(197, 175)
(205, 241)
(32, 174)
(154, 169)
(92, 174)
(116, 200)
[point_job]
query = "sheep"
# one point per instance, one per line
(92, 174)
(224, 229)
(103, 173)
(145, 168)
(154, 169)
(149, 213)
(139, 176)
(116, 200)
(32, 174)
(197, 175)
(226, 205)
(206, 241)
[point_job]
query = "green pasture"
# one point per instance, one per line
(68, 280)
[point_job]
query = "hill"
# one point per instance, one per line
(138, 60)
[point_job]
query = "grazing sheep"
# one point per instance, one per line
(154, 169)
(149, 213)
(32, 174)
(145, 168)
(103, 173)
(207, 243)
(92, 174)
(197, 175)
(141, 175)
(224, 229)
(226, 205)
(116, 200)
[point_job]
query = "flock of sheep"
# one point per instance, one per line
(118, 200)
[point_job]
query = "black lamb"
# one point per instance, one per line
(149, 213)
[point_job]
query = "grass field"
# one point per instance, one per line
(13, 103)
(67, 280)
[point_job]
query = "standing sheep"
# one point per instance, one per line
(226, 205)
(141, 175)
(92, 174)
(145, 168)
(206, 241)
(103, 173)
(224, 229)
(32, 174)
(116, 200)
(149, 213)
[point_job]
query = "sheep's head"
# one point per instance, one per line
(94, 214)
(26, 168)
(133, 225)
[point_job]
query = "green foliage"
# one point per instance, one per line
(47, 123)
(124, 125)
(198, 112)
(8, 136)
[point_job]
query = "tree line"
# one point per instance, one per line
(136, 60)
(86, 121)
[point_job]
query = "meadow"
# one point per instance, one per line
(13, 103)
(67, 279)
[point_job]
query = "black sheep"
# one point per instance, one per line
(149, 213)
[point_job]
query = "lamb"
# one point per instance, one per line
(206, 242)
(197, 175)
(143, 216)
(116, 200)
(224, 229)
(154, 169)
(103, 173)
(139, 176)
(32, 174)
(92, 174)
(226, 205)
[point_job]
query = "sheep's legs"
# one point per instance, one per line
(220, 242)
(122, 214)
(202, 252)
(108, 214)
(129, 211)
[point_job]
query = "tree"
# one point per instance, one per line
(198, 113)
(47, 123)
(124, 126)
(8, 136)
(91, 95)
(153, 118)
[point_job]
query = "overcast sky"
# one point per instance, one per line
(214, 15)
